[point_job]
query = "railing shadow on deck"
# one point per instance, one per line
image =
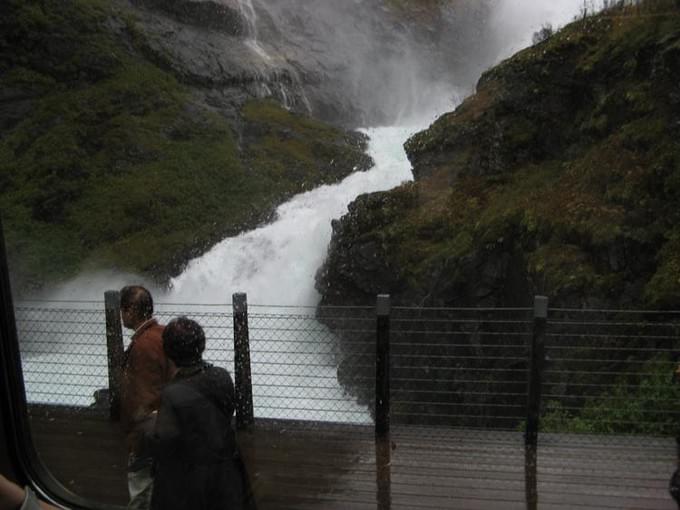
(586, 386)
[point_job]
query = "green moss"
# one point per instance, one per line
(115, 165)
(572, 146)
(21, 77)
(563, 269)
(115, 159)
(284, 147)
(663, 289)
(645, 404)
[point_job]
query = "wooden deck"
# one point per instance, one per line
(327, 466)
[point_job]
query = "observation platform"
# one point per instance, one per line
(313, 465)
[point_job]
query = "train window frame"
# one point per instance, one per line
(17, 440)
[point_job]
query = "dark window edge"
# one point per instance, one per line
(23, 457)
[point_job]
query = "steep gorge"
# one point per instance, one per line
(136, 134)
(559, 176)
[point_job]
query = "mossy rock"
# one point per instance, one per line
(566, 159)
(110, 162)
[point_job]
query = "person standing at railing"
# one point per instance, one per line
(197, 463)
(144, 373)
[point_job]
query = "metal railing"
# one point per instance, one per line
(590, 371)
(611, 371)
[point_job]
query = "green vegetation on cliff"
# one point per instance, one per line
(560, 176)
(106, 160)
(650, 406)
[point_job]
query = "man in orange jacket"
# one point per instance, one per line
(145, 372)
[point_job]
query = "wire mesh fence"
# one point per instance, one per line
(296, 358)
(299, 358)
(63, 348)
(611, 371)
(64, 351)
(605, 371)
(460, 367)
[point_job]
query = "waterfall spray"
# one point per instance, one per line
(248, 11)
(276, 264)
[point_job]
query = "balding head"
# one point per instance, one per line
(136, 305)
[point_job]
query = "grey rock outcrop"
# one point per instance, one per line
(208, 46)
(351, 64)
(224, 16)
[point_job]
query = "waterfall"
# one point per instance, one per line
(273, 66)
(275, 265)
(248, 12)
(284, 96)
(303, 97)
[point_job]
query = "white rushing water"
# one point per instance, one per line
(294, 375)
(276, 263)
(250, 15)
(63, 350)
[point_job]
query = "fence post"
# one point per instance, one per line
(382, 366)
(114, 348)
(383, 472)
(245, 416)
(530, 477)
(536, 362)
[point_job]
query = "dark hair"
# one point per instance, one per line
(138, 299)
(183, 341)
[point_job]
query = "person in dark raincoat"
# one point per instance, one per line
(196, 460)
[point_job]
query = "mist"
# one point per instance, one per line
(391, 73)
(369, 64)
(514, 22)
(90, 286)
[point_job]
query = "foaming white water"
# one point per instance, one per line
(294, 368)
(249, 14)
(276, 263)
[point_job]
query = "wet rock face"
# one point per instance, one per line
(209, 46)
(374, 63)
(336, 61)
(363, 261)
(358, 267)
(223, 16)
(557, 177)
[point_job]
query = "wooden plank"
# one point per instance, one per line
(299, 465)
(84, 450)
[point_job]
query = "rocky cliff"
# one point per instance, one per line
(119, 150)
(343, 63)
(559, 176)
(375, 63)
(136, 133)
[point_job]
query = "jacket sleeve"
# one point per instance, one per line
(166, 435)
